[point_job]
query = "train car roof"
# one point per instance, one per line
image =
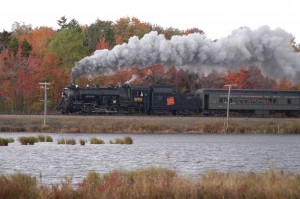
(206, 90)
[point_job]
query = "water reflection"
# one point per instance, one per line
(188, 154)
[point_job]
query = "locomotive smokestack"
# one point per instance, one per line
(271, 49)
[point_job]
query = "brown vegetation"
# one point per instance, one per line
(111, 124)
(158, 183)
(125, 140)
(96, 141)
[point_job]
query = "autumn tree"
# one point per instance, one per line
(140, 28)
(170, 32)
(194, 30)
(100, 30)
(18, 78)
(214, 79)
(249, 78)
(40, 39)
(128, 27)
(284, 84)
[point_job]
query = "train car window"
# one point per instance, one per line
(274, 101)
(269, 101)
(241, 101)
(289, 101)
(245, 101)
(220, 100)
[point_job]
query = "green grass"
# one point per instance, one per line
(157, 183)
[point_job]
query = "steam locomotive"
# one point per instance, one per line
(163, 101)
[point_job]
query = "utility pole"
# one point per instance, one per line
(44, 86)
(228, 102)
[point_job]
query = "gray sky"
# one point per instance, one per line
(216, 17)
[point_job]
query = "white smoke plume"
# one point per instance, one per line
(271, 49)
(133, 77)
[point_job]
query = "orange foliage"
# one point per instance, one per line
(40, 38)
(123, 30)
(284, 84)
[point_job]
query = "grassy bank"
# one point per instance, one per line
(157, 183)
(115, 124)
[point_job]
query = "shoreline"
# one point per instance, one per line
(147, 124)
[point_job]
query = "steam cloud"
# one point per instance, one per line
(271, 49)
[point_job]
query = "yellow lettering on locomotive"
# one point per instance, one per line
(170, 101)
(138, 99)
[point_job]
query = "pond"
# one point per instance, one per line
(188, 154)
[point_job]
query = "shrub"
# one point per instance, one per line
(82, 142)
(18, 186)
(41, 138)
(28, 140)
(71, 141)
(49, 139)
(3, 142)
(126, 140)
(61, 141)
(10, 140)
(96, 141)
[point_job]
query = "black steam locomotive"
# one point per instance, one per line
(163, 101)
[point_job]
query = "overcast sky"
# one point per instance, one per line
(217, 18)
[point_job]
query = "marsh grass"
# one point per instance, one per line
(96, 141)
(71, 141)
(4, 142)
(61, 141)
(28, 140)
(10, 140)
(82, 142)
(41, 138)
(167, 125)
(125, 140)
(49, 139)
(158, 183)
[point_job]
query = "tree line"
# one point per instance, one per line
(31, 55)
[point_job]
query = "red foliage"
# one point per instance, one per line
(102, 44)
